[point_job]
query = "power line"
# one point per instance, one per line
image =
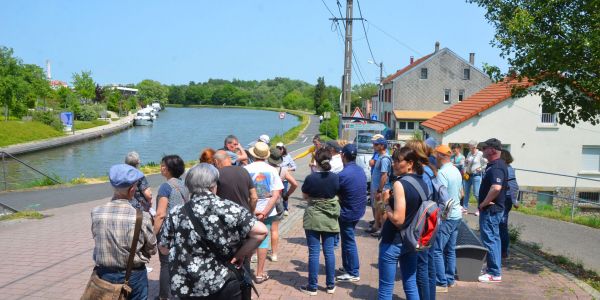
(394, 38)
(355, 66)
(328, 8)
(365, 30)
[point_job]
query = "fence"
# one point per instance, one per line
(579, 198)
(4, 156)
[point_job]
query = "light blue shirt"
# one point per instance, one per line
(383, 165)
(449, 176)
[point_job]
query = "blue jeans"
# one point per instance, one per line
(444, 252)
(489, 227)
(285, 189)
(504, 237)
(426, 274)
(350, 260)
(475, 182)
(389, 257)
(314, 240)
(138, 280)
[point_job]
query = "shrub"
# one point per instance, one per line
(88, 113)
(48, 118)
(329, 127)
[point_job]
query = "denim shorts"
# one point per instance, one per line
(266, 243)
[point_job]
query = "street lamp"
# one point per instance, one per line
(380, 65)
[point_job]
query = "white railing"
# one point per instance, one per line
(548, 118)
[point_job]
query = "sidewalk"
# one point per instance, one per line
(52, 259)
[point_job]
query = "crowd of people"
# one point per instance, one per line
(208, 223)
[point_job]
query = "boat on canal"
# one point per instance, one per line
(144, 117)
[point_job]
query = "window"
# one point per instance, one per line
(461, 95)
(590, 158)
(548, 118)
(590, 196)
(447, 96)
(466, 74)
(423, 73)
(402, 125)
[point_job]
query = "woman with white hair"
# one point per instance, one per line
(207, 240)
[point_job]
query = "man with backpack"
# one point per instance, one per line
(492, 194)
(444, 255)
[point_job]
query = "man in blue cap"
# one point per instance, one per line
(380, 184)
(112, 228)
(353, 201)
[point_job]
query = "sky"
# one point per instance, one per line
(175, 42)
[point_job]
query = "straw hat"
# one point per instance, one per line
(260, 150)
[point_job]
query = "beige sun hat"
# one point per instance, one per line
(260, 150)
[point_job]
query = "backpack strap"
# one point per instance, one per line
(415, 184)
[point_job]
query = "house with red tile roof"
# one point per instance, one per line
(425, 86)
(534, 137)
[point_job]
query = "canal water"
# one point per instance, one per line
(182, 131)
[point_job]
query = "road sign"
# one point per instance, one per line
(327, 115)
(357, 113)
(363, 126)
(374, 117)
(282, 115)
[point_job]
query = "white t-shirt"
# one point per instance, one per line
(337, 165)
(266, 179)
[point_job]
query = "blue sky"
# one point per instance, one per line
(175, 42)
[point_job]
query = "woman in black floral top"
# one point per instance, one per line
(228, 227)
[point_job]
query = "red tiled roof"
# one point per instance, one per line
(478, 102)
(406, 69)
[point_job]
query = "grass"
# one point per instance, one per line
(44, 181)
(564, 214)
(80, 125)
(16, 132)
(26, 214)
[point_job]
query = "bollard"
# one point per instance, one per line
(4, 171)
(574, 201)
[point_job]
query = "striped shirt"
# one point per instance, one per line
(112, 228)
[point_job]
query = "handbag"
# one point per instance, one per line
(242, 275)
(100, 289)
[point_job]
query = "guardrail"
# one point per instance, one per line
(4, 155)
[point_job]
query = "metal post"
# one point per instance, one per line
(4, 170)
(573, 197)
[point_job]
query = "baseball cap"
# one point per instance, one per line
(431, 142)
(492, 143)
(123, 175)
(264, 138)
(443, 149)
(349, 150)
(376, 137)
(380, 141)
(280, 144)
(334, 145)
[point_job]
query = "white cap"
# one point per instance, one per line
(280, 144)
(264, 138)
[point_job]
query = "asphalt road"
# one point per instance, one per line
(53, 197)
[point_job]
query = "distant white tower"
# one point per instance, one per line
(48, 72)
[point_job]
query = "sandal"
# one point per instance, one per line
(261, 279)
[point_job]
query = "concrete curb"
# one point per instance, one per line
(586, 287)
(81, 136)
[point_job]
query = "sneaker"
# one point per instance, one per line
(311, 292)
(254, 258)
(489, 278)
(273, 258)
(347, 278)
(286, 213)
(441, 289)
(331, 289)
(477, 213)
(452, 285)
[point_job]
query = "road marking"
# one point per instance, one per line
(304, 141)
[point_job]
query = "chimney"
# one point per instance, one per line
(437, 47)
(472, 58)
(412, 59)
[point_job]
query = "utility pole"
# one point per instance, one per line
(347, 82)
(381, 73)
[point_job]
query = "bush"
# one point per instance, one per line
(48, 118)
(87, 113)
(329, 127)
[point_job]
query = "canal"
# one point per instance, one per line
(182, 131)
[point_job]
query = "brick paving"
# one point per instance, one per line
(52, 259)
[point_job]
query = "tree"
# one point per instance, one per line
(99, 91)
(84, 85)
(151, 91)
(319, 96)
(557, 45)
(362, 92)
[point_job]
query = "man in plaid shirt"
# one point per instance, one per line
(112, 228)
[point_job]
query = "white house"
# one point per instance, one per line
(535, 139)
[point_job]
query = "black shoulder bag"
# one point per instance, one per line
(242, 275)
